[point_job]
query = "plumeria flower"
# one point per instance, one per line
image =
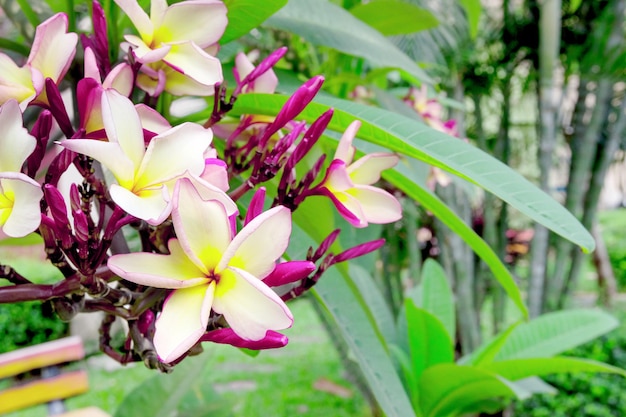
(50, 57)
(172, 45)
(209, 269)
(19, 194)
(349, 187)
(144, 176)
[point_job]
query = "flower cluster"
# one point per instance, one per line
(137, 211)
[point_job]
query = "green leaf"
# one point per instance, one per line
(340, 296)
(448, 217)
(515, 369)
(403, 361)
(394, 17)
(554, 333)
(472, 11)
(175, 394)
(429, 342)
(375, 300)
(488, 351)
(448, 389)
(325, 24)
(414, 139)
(437, 296)
(245, 15)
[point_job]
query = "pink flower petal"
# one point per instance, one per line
(378, 205)
(173, 153)
(16, 144)
(122, 125)
(189, 59)
(53, 48)
(201, 226)
(337, 178)
(183, 321)
(260, 243)
(345, 150)
(152, 120)
(367, 169)
(179, 84)
(151, 205)
(24, 216)
(209, 192)
(202, 22)
(121, 79)
(108, 154)
(139, 17)
(16, 83)
(249, 306)
(155, 270)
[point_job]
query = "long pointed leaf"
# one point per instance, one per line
(554, 333)
(515, 369)
(341, 298)
(409, 137)
(326, 24)
(437, 296)
(429, 342)
(245, 15)
(448, 389)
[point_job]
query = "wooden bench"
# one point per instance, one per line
(37, 377)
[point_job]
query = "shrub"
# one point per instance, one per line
(28, 323)
(585, 395)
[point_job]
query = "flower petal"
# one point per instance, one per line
(152, 120)
(122, 125)
(15, 82)
(189, 59)
(53, 48)
(139, 17)
(161, 271)
(347, 206)
(173, 152)
(201, 226)
(378, 205)
(179, 84)
(337, 178)
(367, 169)
(345, 150)
(24, 216)
(260, 243)
(121, 79)
(202, 22)
(249, 306)
(109, 154)
(152, 205)
(16, 144)
(208, 191)
(183, 321)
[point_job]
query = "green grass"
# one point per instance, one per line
(275, 383)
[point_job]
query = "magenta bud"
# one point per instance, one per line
(101, 41)
(146, 319)
(272, 339)
(359, 250)
(256, 205)
(56, 203)
(294, 105)
(75, 200)
(57, 108)
(81, 226)
(311, 137)
(41, 131)
(260, 69)
(326, 244)
(288, 272)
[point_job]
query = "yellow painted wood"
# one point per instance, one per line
(43, 390)
(85, 412)
(39, 356)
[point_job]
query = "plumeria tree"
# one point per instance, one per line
(199, 226)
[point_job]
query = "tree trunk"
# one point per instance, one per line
(549, 41)
(607, 285)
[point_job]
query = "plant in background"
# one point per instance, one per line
(139, 209)
(501, 370)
